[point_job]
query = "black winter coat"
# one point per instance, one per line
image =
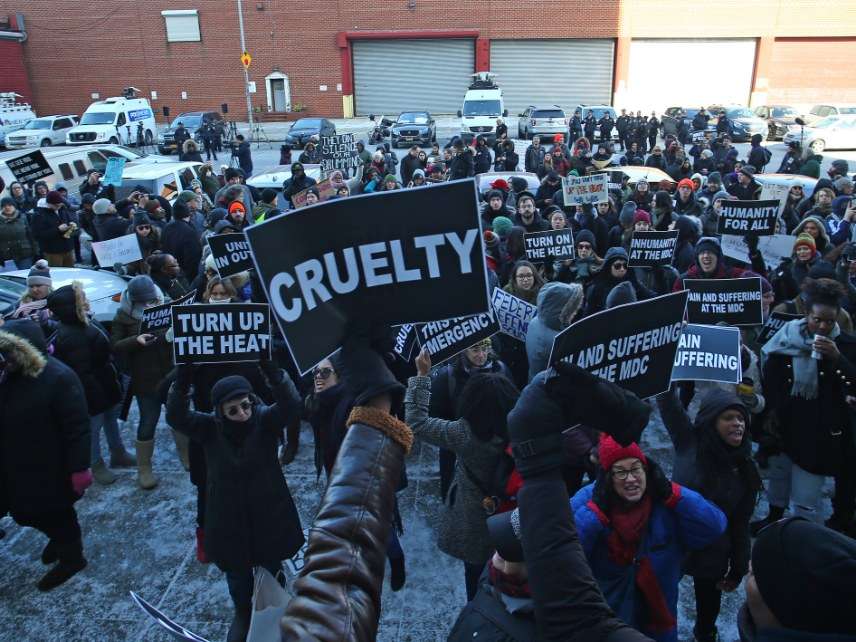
(482, 160)
(45, 223)
(250, 517)
(180, 239)
(462, 165)
(448, 382)
(487, 618)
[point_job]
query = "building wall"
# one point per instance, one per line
(13, 70)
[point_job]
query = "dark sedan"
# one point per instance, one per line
(193, 122)
(305, 128)
(779, 118)
(413, 127)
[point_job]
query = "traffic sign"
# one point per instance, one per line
(246, 59)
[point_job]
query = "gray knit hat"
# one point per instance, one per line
(40, 274)
(141, 289)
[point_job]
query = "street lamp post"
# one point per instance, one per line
(246, 71)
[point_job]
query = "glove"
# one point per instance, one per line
(535, 426)
(184, 377)
(81, 480)
(600, 493)
(751, 241)
(270, 371)
(363, 368)
(659, 485)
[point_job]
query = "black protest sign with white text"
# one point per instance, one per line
(408, 256)
(445, 339)
(220, 333)
(774, 324)
(550, 245)
(708, 353)
(339, 152)
(742, 218)
(231, 254)
(405, 340)
(652, 249)
(30, 167)
(158, 318)
(731, 301)
(632, 345)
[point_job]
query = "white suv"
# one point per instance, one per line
(42, 132)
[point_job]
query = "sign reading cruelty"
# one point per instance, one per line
(733, 301)
(445, 339)
(158, 318)
(124, 250)
(30, 167)
(742, 218)
(632, 345)
(405, 340)
(231, 253)
(651, 249)
(774, 324)
(220, 333)
(708, 353)
(415, 256)
(579, 190)
(512, 313)
(339, 152)
(550, 245)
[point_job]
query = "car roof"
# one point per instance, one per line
(107, 282)
(546, 107)
(148, 171)
(414, 111)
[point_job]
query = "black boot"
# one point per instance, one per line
(397, 577)
(71, 562)
(240, 625)
(776, 513)
(49, 554)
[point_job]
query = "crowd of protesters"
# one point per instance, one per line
(564, 527)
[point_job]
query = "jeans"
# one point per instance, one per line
(788, 482)
(150, 411)
(60, 259)
(109, 419)
(708, 599)
(241, 585)
(24, 264)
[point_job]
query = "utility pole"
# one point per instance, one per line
(246, 71)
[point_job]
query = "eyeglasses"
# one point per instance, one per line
(322, 373)
(621, 474)
(480, 348)
(243, 407)
(619, 266)
(797, 188)
(525, 277)
(143, 228)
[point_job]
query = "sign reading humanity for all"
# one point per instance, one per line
(220, 333)
(708, 353)
(632, 345)
(158, 318)
(651, 249)
(416, 256)
(550, 245)
(445, 339)
(742, 218)
(733, 301)
(579, 190)
(339, 152)
(774, 324)
(231, 254)
(512, 313)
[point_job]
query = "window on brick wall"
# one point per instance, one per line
(182, 25)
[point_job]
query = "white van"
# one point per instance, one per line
(13, 115)
(114, 120)
(483, 104)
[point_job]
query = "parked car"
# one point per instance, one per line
(413, 127)
(484, 180)
(542, 121)
(818, 112)
(778, 117)
(274, 177)
(743, 122)
(166, 179)
(305, 128)
(832, 132)
(193, 122)
(807, 182)
(103, 288)
(42, 132)
(599, 112)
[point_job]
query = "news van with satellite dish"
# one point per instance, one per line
(123, 120)
(13, 115)
(483, 104)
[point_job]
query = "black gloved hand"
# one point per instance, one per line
(535, 426)
(751, 241)
(601, 492)
(184, 377)
(270, 371)
(363, 368)
(659, 486)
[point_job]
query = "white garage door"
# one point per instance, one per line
(688, 73)
(391, 76)
(552, 72)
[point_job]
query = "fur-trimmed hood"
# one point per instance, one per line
(18, 349)
(68, 304)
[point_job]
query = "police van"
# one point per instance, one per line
(115, 120)
(483, 105)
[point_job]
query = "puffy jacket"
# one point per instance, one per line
(148, 365)
(16, 238)
(548, 322)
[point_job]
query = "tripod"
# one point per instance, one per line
(258, 134)
(230, 133)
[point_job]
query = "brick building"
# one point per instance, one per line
(336, 58)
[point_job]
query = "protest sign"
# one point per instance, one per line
(708, 353)
(220, 333)
(550, 245)
(697, 136)
(405, 340)
(339, 152)
(30, 167)
(733, 301)
(631, 345)
(113, 173)
(512, 314)
(651, 249)
(445, 339)
(579, 190)
(158, 318)
(231, 253)
(772, 192)
(176, 630)
(123, 249)
(615, 178)
(414, 256)
(774, 324)
(326, 189)
(772, 248)
(742, 218)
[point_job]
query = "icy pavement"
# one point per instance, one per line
(144, 541)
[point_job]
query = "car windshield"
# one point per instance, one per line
(825, 122)
(740, 112)
(598, 112)
(38, 123)
(307, 123)
(548, 113)
(847, 110)
(481, 108)
(784, 112)
(187, 121)
(98, 118)
(414, 118)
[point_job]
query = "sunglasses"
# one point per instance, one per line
(619, 266)
(322, 373)
(143, 228)
(243, 407)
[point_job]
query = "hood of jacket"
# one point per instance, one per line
(820, 224)
(713, 404)
(23, 342)
(68, 304)
(552, 300)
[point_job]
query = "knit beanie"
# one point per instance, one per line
(502, 225)
(389, 178)
(714, 177)
(822, 270)
(627, 215)
(586, 236)
(686, 182)
(806, 575)
(614, 254)
(491, 239)
(721, 194)
(40, 274)
(500, 184)
(621, 294)
(807, 240)
(229, 388)
(141, 218)
(610, 451)
(141, 289)
(101, 206)
(187, 196)
(641, 215)
(709, 243)
(54, 198)
(573, 304)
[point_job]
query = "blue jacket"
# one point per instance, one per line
(686, 522)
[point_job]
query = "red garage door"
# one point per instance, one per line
(807, 71)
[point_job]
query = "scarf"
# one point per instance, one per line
(794, 340)
(508, 584)
(628, 527)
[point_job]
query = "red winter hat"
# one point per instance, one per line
(54, 198)
(237, 206)
(500, 183)
(685, 182)
(641, 215)
(610, 451)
